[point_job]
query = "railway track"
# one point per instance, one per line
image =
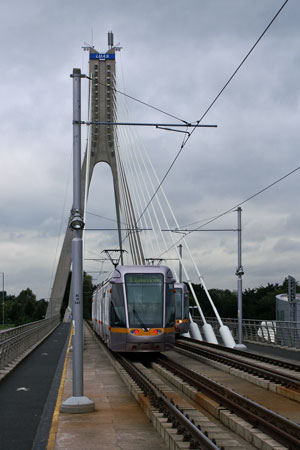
(255, 356)
(276, 363)
(277, 372)
(179, 424)
(155, 386)
(185, 426)
(280, 428)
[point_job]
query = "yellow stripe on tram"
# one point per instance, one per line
(141, 332)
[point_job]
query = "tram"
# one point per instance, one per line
(134, 310)
(182, 308)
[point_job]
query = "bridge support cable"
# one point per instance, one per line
(138, 173)
(207, 329)
(135, 195)
(88, 164)
(134, 238)
(140, 187)
(224, 330)
(115, 179)
(209, 333)
(125, 214)
(132, 234)
(127, 206)
(135, 191)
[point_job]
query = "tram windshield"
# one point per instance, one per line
(144, 294)
(117, 309)
(178, 304)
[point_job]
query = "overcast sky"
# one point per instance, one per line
(176, 55)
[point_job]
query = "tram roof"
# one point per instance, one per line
(120, 271)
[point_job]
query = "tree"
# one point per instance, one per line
(87, 296)
(258, 303)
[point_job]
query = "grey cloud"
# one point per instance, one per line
(176, 55)
(287, 246)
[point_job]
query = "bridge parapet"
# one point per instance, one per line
(17, 342)
(268, 332)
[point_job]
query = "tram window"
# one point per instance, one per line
(178, 303)
(117, 309)
(186, 306)
(170, 305)
(144, 299)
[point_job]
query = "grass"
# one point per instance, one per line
(6, 326)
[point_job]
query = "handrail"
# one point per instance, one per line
(268, 332)
(16, 341)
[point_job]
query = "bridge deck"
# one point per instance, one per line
(117, 423)
(27, 402)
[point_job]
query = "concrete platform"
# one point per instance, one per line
(117, 422)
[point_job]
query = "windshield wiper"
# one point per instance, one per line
(140, 320)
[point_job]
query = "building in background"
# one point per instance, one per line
(288, 316)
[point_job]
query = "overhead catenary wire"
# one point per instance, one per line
(141, 168)
(135, 192)
(141, 101)
(251, 197)
(137, 252)
(103, 217)
(139, 175)
(146, 165)
(218, 216)
(188, 136)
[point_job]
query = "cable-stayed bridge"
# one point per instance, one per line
(145, 218)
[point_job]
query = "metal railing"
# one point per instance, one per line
(268, 332)
(16, 341)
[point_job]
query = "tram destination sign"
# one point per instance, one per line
(143, 278)
(102, 56)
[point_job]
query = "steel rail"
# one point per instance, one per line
(280, 428)
(178, 419)
(185, 426)
(290, 381)
(255, 356)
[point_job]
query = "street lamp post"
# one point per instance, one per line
(78, 403)
(239, 273)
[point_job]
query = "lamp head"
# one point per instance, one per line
(76, 222)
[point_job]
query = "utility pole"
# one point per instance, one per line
(180, 264)
(78, 403)
(239, 273)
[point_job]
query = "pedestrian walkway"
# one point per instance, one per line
(24, 393)
(117, 423)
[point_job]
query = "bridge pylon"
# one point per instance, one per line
(102, 148)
